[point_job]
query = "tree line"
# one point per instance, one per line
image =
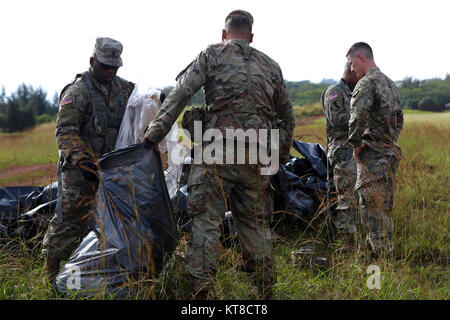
(429, 95)
(25, 108)
(28, 106)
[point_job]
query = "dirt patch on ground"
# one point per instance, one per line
(34, 175)
(306, 121)
(15, 136)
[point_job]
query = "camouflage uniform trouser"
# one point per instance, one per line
(344, 178)
(375, 186)
(78, 195)
(251, 203)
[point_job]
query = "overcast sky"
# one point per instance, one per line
(45, 43)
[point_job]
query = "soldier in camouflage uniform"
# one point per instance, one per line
(336, 108)
(244, 89)
(90, 113)
(376, 119)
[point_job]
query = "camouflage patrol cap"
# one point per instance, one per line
(108, 51)
(239, 16)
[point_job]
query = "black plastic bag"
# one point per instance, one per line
(33, 223)
(315, 154)
(289, 196)
(24, 210)
(14, 201)
(300, 184)
(135, 226)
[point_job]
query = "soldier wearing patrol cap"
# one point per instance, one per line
(91, 109)
(244, 89)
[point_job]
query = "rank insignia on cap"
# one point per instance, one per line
(66, 100)
(332, 96)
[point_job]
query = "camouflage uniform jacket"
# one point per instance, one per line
(244, 89)
(90, 115)
(376, 116)
(336, 108)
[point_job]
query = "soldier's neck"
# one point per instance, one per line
(370, 65)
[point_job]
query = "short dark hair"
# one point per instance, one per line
(239, 21)
(360, 47)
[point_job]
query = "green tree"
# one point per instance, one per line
(410, 83)
(2, 103)
(12, 117)
(3, 96)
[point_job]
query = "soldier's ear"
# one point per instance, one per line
(250, 39)
(224, 35)
(91, 61)
(361, 57)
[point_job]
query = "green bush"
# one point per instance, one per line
(43, 118)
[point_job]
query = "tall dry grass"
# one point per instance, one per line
(418, 268)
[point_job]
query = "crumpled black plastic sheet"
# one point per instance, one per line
(25, 210)
(300, 184)
(315, 154)
(13, 201)
(135, 226)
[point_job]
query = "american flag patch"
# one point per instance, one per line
(332, 96)
(66, 100)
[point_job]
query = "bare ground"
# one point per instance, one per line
(43, 175)
(301, 121)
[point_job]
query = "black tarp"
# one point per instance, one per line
(135, 227)
(300, 184)
(14, 201)
(26, 210)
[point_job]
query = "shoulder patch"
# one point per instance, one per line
(66, 100)
(332, 96)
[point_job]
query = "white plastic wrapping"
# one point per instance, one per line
(143, 106)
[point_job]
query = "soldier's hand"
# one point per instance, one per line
(89, 169)
(149, 144)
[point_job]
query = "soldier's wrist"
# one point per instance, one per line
(151, 139)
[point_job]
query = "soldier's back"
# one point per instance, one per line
(241, 84)
(385, 119)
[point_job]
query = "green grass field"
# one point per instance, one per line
(418, 268)
(35, 146)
